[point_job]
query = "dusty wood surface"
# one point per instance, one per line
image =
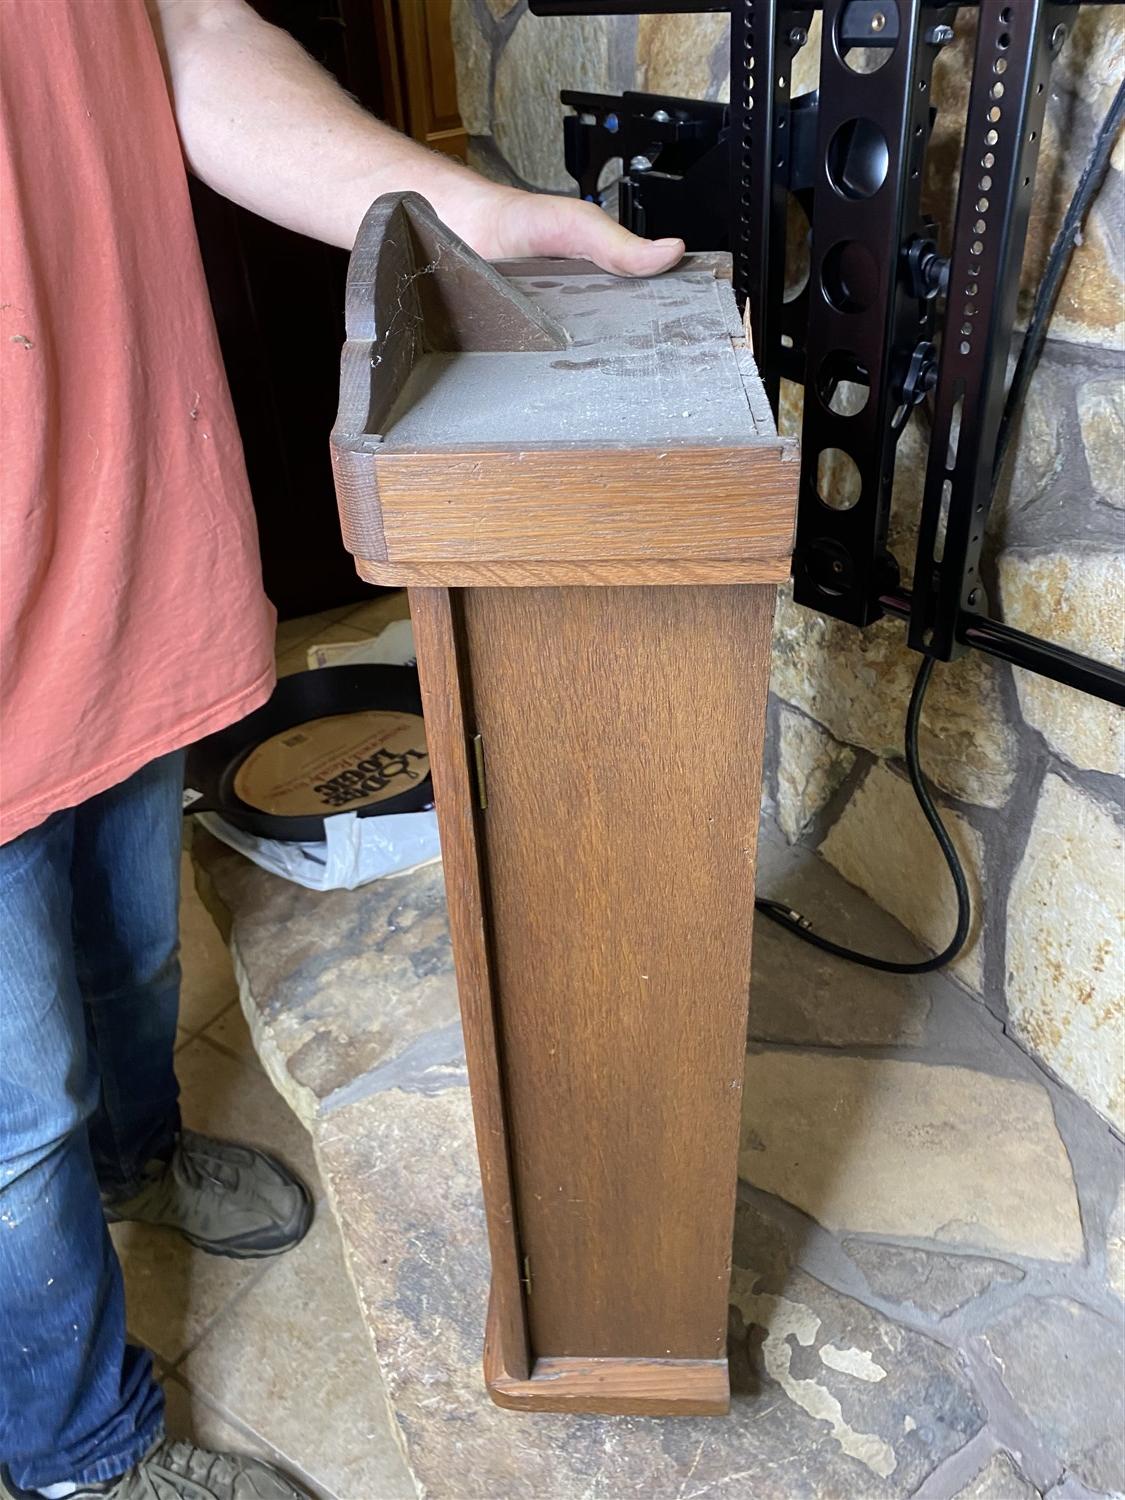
(545, 412)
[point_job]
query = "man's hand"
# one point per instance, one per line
(510, 224)
(264, 125)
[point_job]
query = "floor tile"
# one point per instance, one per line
(292, 1362)
(188, 1416)
(293, 632)
(339, 612)
(372, 617)
(172, 1291)
(295, 659)
(233, 1099)
(230, 1030)
(208, 984)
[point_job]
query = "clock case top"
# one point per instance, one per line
(538, 422)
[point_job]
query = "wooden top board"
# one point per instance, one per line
(540, 421)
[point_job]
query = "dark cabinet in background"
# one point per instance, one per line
(279, 297)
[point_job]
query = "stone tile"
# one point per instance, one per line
(799, 994)
(291, 1361)
(296, 659)
(472, 59)
(230, 1031)
(333, 632)
(911, 1150)
(188, 1417)
(1074, 598)
(173, 1293)
(234, 1100)
(542, 56)
(830, 1398)
(340, 983)
(933, 1284)
(376, 614)
(857, 684)
(291, 633)
(674, 53)
(882, 843)
(998, 1480)
(1089, 308)
(1027, 497)
(1093, 60)
(811, 765)
(1101, 413)
(1066, 980)
(208, 985)
(866, 1407)
(1061, 1363)
(1115, 1246)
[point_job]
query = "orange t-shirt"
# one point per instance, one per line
(132, 618)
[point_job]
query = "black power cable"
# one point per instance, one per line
(1058, 261)
(1054, 273)
(778, 912)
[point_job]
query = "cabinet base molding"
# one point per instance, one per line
(609, 1387)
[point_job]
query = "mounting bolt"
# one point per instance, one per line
(640, 164)
(972, 599)
(878, 21)
(921, 374)
(926, 270)
(939, 36)
(798, 37)
(661, 116)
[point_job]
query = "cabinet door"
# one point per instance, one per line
(418, 72)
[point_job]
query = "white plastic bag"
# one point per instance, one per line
(355, 850)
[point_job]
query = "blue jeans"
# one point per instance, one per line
(89, 993)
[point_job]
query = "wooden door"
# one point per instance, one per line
(274, 291)
(419, 80)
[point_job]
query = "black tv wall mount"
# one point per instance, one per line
(884, 320)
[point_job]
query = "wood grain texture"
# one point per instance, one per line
(610, 1387)
(577, 504)
(447, 736)
(622, 734)
(605, 573)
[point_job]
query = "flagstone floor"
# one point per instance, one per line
(929, 1254)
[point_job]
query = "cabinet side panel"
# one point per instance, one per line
(622, 733)
(434, 613)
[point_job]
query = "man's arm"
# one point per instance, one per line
(264, 124)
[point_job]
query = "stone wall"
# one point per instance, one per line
(1030, 775)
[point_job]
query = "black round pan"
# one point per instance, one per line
(399, 777)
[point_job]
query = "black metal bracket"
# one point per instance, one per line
(882, 321)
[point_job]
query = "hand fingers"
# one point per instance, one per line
(615, 249)
(567, 226)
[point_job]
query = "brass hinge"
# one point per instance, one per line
(527, 1275)
(478, 768)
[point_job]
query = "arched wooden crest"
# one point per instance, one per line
(414, 287)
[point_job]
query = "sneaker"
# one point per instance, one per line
(181, 1471)
(225, 1199)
